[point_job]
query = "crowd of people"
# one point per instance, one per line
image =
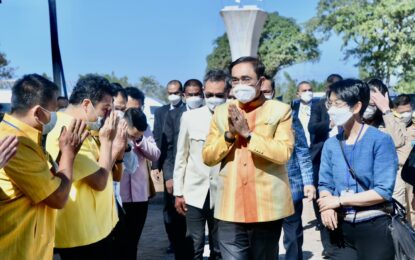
(76, 175)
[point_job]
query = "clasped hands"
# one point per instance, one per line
(327, 205)
(238, 125)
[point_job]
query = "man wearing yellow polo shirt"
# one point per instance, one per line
(84, 226)
(31, 188)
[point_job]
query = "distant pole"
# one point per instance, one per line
(58, 74)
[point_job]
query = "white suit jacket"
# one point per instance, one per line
(192, 178)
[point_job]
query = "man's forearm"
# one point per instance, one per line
(66, 162)
(106, 160)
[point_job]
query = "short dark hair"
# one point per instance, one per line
(62, 98)
(259, 67)
(193, 83)
(402, 100)
(304, 82)
(333, 78)
(378, 84)
(135, 93)
(92, 87)
(31, 90)
(272, 81)
(135, 117)
(216, 75)
(351, 91)
(176, 82)
(119, 90)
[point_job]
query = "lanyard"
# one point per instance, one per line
(352, 156)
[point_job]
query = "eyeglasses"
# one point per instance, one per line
(218, 95)
(336, 103)
(193, 94)
(245, 80)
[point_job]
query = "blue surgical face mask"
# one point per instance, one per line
(47, 127)
(51, 124)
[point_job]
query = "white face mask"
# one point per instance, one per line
(370, 112)
(194, 102)
(306, 96)
(406, 117)
(94, 126)
(120, 114)
(50, 125)
(174, 99)
(213, 102)
(269, 96)
(130, 160)
(244, 93)
(340, 116)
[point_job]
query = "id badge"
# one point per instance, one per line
(346, 193)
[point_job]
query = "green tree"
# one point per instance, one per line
(152, 88)
(318, 86)
(111, 78)
(148, 84)
(406, 84)
(6, 72)
(282, 43)
(115, 79)
(220, 58)
(287, 87)
(379, 33)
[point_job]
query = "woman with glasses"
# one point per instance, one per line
(357, 176)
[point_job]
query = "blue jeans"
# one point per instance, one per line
(293, 233)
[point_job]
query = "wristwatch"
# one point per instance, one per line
(387, 112)
(229, 140)
(248, 138)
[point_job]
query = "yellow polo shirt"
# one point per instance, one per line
(89, 215)
(27, 224)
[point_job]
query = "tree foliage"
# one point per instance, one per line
(282, 44)
(221, 57)
(379, 33)
(148, 84)
(6, 72)
(115, 79)
(152, 88)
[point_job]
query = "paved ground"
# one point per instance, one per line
(154, 241)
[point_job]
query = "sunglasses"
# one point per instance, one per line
(218, 95)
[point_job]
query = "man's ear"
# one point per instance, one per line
(36, 112)
(85, 103)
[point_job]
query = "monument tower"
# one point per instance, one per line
(244, 25)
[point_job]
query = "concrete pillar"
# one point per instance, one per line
(243, 26)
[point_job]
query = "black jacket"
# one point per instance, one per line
(171, 133)
(160, 116)
(159, 119)
(319, 128)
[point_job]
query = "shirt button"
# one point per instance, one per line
(245, 182)
(244, 164)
